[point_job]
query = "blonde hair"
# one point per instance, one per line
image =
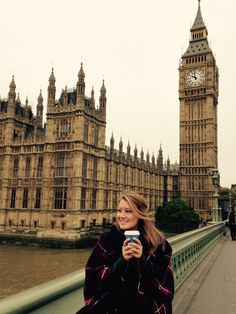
(152, 236)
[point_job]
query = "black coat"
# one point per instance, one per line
(112, 285)
(232, 217)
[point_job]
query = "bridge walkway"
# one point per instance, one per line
(211, 289)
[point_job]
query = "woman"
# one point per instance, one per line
(130, 277)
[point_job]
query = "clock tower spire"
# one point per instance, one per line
(198, 95)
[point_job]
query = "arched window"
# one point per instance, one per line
(15, 166)
(86, 127)
(64, 127)
(84, 166)
(96, 129)
(60, 198)
(40, 166)
(27, 167)
(61, 165)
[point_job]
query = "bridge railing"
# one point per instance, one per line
(64, 294)
(191, 247)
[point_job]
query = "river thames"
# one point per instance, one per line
(23, 267)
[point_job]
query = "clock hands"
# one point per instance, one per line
(193, 74)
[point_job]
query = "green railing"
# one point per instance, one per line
(191, 247)
(64, 295)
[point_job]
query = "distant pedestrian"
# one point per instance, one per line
(232, 224)
(124, 277)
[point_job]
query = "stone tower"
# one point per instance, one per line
(198, 95)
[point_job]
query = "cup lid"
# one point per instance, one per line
(132, 232)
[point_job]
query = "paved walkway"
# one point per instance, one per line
(212, 288)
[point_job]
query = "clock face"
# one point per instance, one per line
(195, 77)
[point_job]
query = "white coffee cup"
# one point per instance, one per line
(131, 234)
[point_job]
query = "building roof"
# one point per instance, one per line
(198, 23)
(198, 44)
(198, 47)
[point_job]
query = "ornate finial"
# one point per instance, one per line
(52, 77)
(40, 98)
(112, 140)
(18, 97)
(26, 102)
(128, 148)
(103, 88)
(153, 159)
(12, 84)
(121, 145)
(198, 23)
(81, 71)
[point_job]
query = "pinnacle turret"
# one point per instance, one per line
(153, 159)
(168, 164)
(142, 154)
(65, 96)
(135, 151)
(112, 141)
(92, 98)
(12, 84)
(40, 98)
(51, 89)
(121, 146)
(198, 23)
(12, 90)
(39, 113)
(18, 98)
(198, 43)
(52, 78)
(81, 74)
(26, 102)
(128, 149)
(80, 86)
(103, 99)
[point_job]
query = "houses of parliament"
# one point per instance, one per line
(60, 177)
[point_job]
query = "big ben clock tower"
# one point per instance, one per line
(198, 95)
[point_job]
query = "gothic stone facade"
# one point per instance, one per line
(60, 178)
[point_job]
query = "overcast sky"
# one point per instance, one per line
(135, 46)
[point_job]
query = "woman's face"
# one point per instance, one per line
(125, 216)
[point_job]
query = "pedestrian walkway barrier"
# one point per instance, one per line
(191, 247)
(64, 294)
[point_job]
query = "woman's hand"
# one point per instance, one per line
(132, 249)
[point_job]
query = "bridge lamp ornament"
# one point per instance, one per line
(216, 183)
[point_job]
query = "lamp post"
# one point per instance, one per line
(216, 182)
(230, 202)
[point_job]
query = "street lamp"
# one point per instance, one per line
(216, 182)
(230, 202)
